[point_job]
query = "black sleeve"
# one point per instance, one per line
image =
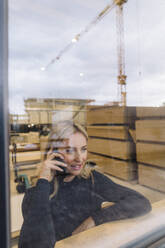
(38, 229)
(127, 203)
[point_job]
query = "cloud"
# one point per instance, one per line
(40, 29)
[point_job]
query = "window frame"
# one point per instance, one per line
(4, 130)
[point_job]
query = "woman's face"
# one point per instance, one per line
(75, 153)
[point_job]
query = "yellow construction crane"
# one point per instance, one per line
(120, 44)
(121, 51)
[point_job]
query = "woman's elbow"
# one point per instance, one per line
(143, 206)
(147, 206)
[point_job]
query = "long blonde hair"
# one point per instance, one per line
(61, 131)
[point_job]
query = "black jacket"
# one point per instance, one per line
(47, 221)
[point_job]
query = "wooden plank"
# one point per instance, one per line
(113, 148)
(150, 130)
(111, 115)
(153, 154)
(19, 138)
(121, 169)
(28, 156)
(143, 112)
(115, 132)
(26, 148)
(151, 177)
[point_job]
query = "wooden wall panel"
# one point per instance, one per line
(152, 177)
(121, 169)
(153, 154)
(113, 148)
(150, 130)
(115, 132)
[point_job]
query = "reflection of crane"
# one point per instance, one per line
(120, 44)
(120, 50)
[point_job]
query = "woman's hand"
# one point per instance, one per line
(86, 224)
(50, 166)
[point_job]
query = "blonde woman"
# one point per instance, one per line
(68, 196)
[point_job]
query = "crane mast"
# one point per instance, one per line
(121, 51)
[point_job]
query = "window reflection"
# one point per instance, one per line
(125, 143)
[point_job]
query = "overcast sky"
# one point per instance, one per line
(40, 29)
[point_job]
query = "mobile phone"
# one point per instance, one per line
(64, 172)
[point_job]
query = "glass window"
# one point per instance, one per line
(86, 93)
